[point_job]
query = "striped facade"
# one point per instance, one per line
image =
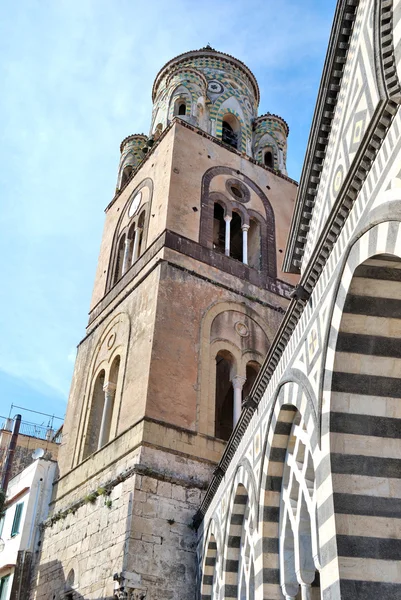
(316, 454)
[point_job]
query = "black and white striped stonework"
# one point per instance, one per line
(209, 569)
(267, 556)
(365, 438)
(233, 544)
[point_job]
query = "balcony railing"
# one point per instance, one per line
(33, 430)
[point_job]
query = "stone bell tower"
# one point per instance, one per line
(188, 295)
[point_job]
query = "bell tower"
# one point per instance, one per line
(188, 294)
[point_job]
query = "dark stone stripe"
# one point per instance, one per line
(283, 428)
(210, 561)
(373, 345)
(383, 427)
(271, 514)
(237, 519)
(370, 466)
(208, 580)
(241, 499)
(231, 566)
(369, 590)
(229, 591)
(375, 272)
(212, 545)
(278, 454)
(374, 506)
(372, 306)
(273, 483)
(271, 576)
(368, 547)
(288, 408)
(234, 541)
(366, 385)
(270, 545)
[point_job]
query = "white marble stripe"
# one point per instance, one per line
(367, 325)
(365, 445)
(372, 405)
(362, 525)
(370, 569)
(367, 486)
(378, 288)
(363, 364)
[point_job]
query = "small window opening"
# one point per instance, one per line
(236, 237)
(219, 228)
(224, 395)
(268, 159)
(254, 251)
(127, 172)
(182, 109)
(228, 135)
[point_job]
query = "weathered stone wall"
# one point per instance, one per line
(142, 528)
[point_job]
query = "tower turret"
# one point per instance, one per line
(131, 156)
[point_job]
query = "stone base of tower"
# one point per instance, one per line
(126, 529)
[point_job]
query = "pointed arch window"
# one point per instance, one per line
(224, 410)
(219, 228)
(127, 172)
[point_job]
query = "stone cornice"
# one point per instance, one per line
(320, 132)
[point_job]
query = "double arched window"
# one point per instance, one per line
(130, 246)
(101, 408)
(237, 234)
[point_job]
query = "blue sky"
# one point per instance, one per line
(77, 79)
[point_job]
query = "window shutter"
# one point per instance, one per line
(17, 519)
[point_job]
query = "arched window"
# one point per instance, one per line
(224, 407)
(95, 416)
(109, 390)
(127, 172)
(219, 228)
(139, 232)
(180, 107)
(119, 260)
(236, 237)
(254, 251)
(231, 130)
(268, 159)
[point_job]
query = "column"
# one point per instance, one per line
(227, 219)
(245, 229)
(136, 244)
(238, 383)
(306, 591)
(109, 389)
(127, 249)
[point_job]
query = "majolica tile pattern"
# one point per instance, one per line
(213, 86)
(314, 480)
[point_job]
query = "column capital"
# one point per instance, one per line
(238, 382)
(227, 218)
(245, 227)
(109, 387)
